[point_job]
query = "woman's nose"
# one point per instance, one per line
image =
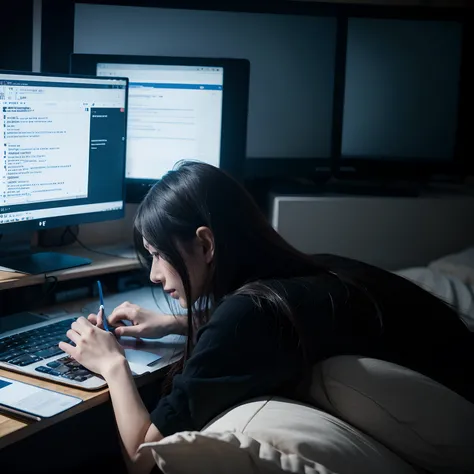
(155, 276)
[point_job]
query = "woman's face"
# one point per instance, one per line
(197, 264)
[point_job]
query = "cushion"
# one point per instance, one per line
(228, 452)
(424, 422)
(276, 435)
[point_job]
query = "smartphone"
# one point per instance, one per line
(28, 401)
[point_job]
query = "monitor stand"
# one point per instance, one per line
(16, 254)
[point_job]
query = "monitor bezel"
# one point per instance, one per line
(234, 106)
(76, 219)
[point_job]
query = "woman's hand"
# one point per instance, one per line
(145, 323)
(95, 349)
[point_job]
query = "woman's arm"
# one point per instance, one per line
(100, 352)
(133, 419)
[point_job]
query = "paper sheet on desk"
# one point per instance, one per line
(11, 272)
(7, 274)
(5, 269)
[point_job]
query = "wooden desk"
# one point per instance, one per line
(101, 265)
(12, 430)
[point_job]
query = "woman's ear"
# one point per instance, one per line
(205, 239)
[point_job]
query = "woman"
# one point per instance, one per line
(259, 313)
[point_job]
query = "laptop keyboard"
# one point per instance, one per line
(39, 344)
(67, 368)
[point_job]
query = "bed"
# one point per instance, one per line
(450, 278)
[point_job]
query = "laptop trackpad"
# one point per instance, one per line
(141, 357)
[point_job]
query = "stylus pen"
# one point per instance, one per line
(102, 307)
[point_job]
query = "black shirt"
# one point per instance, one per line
(249, 350)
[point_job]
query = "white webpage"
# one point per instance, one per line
(46, 145)
(45, 140)
(175, 113)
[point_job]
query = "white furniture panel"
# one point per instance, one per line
(391, 232)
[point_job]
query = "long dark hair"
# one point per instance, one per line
(248, 250)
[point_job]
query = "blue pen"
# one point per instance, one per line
(101, 296)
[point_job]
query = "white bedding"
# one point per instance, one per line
(451, 279)
(460, 265)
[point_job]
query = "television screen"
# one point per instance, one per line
(401, 90)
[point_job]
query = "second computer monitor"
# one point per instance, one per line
(179, 109)
(175, 112)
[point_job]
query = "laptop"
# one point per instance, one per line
(29, 345)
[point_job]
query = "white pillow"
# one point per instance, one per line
(424, 422)
(225, 453)
(276, 435)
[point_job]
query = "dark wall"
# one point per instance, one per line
(16, 35)
(57, 41)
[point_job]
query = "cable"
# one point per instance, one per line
(85, 247)
(47, 279)
(48, 288)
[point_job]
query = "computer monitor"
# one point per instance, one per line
(402, 97)
(62, 146)
(179, 109)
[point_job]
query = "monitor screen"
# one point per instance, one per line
(175, 113)
(402, 90)
(62, 144)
